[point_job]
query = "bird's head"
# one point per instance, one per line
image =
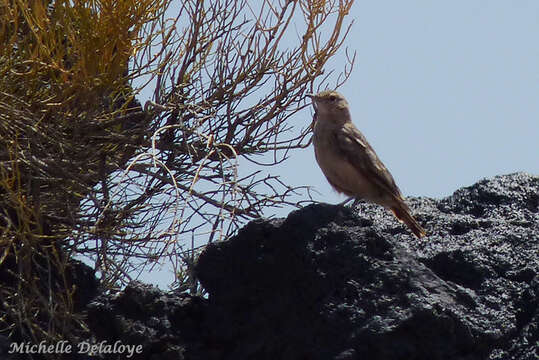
(330, 104)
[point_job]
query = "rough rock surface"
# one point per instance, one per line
(329, 282)
(325, 283)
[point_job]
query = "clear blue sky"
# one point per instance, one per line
(447, 92)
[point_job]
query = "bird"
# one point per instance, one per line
(349, 162)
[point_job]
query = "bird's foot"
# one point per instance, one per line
(354, 204)
(343, 203)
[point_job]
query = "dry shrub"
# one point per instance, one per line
(85, 171)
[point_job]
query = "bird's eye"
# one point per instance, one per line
(332, 98)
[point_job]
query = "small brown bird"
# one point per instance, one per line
(349, 162)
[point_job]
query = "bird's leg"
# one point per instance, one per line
(356, 202)
(343, 203)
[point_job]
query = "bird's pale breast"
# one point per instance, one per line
(341, 174)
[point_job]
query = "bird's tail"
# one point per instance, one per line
(402, 212)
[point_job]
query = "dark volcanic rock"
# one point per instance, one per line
(329, 282)
(163, 323)
(326, 283)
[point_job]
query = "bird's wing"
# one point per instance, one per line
(355, 148)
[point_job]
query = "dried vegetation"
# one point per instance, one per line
(86, 171)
